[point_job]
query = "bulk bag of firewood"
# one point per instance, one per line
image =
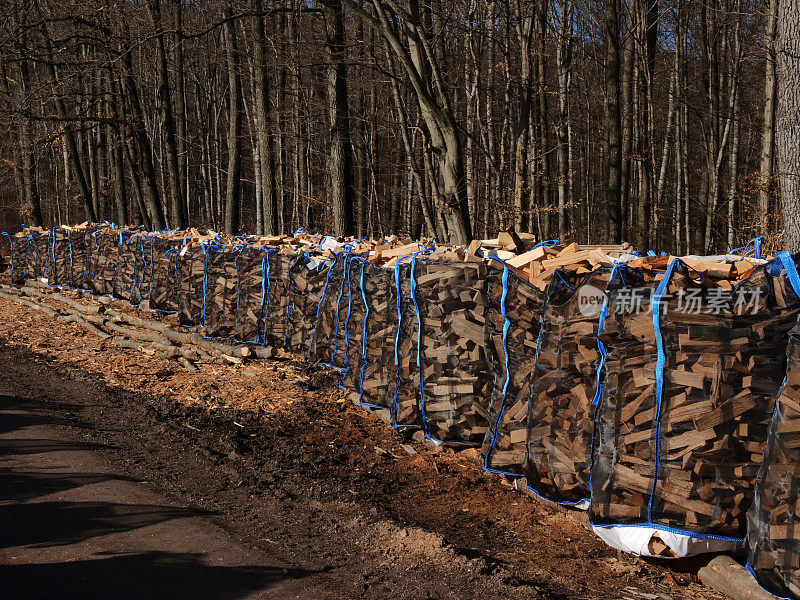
(106, 252)
(78, 255)
(90, 254)
(219, 300)
(252, 265)
(406, 410)
(307, 278)
(276, 327)
(455, 386)
(564, 388)
(374, 365)
(124, 274)
(24, 249)
(142, 269)
(18, 245)
(324, 348)
(773, 531)
(350, 321)
(191, 264)
(351, 333)
(40, 254)
(513, 321)
(163, 292)
(60, 263)
(688, 393)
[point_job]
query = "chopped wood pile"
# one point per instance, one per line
(560, 418)
(488, 345)
(687, 398)
(774, 519)
(378, 373)
(513, 323)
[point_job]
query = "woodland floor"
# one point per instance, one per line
(273, 455)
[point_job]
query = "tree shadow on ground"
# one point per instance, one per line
(140, 577)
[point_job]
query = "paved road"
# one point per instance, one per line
(70, 527)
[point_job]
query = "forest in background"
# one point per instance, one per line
(649, 121)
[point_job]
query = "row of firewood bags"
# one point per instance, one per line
(646, 396)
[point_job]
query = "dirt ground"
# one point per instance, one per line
(286, 464)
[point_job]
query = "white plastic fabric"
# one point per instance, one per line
(637, 538)
(329, 243)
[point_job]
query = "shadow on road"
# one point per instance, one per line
(42, 524)
(139, 577)
(20, 486)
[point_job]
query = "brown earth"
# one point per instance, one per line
(272, 452)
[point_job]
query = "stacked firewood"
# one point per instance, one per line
(323, 343)
(774, 519)
(104, 264)
(688, 395)
(124, 281)
(219, 306)
(59, 250)
(29, 252)
(307, 278)
(406, 410)
(251, 286)
(163, 292)
(191, 264)
(560, 418)
(378, 373)
(353, 338)
(514, 319)
(451, 308)
(276, 304)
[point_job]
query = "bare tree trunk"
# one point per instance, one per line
(524, 30)
(564, 62)
(166, 113)
(649, 30)
(69, 134)
(787, 141)
(233, 183)
(340, 160)
(423, 67)
(613, 154)
(263, 114)
(733, 167)
(767, 167)
(543, 116)
(180, 115)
